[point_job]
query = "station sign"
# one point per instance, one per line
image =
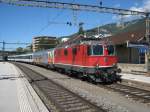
(142, 47)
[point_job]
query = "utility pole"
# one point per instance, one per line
(81, 31)
(147, 35)
(84, 7)
(98, 30)
(3, 51)
(75, 17)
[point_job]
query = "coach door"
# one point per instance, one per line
(84, 55)
(74, 53)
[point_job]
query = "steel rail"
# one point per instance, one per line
(131, 92)
(64, 99)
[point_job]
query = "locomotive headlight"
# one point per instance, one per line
(97, 65)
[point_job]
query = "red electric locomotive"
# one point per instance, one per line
(88, 58)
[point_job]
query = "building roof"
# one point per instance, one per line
(44, 37)
(131, 36)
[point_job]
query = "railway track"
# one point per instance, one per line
(130, 92)
(63, 99)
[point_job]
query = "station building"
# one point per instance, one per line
(131, 57)
(130, 54)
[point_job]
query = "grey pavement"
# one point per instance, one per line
(16, 94)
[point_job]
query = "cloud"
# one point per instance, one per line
(136, 8)
(145, 7)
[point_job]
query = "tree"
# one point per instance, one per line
(28, 48)
(19, 49)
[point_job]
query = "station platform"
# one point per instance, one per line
(16, 94)
(137, 78)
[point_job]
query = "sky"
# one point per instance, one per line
(21, 24)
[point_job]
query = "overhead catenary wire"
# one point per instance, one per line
(54, 18)
(73, 6)
(78, 7)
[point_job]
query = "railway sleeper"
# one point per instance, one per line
(70, 99)
(78, 109)
(63, 97)
(73, 105)
(60, 94)
(70, 102)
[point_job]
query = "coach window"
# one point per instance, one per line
(74, 51)
(111, 50)
(89, 51)
(97, 50)
(65, 52)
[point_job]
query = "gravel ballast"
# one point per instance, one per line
(112, 101)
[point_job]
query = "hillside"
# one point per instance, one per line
(113, 29)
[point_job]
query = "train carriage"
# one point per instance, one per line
(27, 58)
(51, 58)
(41, 58)
(87, 58)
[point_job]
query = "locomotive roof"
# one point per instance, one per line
(82, 40)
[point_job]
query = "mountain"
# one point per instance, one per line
(114, 28)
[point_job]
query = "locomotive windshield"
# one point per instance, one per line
(111, 50)
(95, 50)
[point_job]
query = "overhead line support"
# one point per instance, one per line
(73, 6)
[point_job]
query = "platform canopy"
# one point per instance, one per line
(142, 47)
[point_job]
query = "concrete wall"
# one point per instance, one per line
(127, 55)
(122, 53)
(129, 59)
(134, 55)
(131, 67)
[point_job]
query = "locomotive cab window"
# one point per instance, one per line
(89, 51)
(65, 52)
(111, 50)
(97, 50)
(74, 51)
